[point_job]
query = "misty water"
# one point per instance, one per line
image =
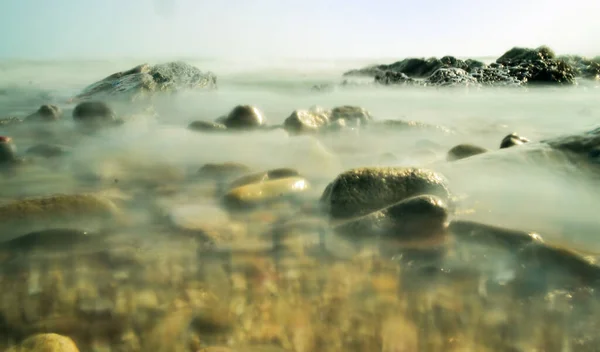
(498, 188)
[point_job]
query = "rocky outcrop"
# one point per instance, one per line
(145, 79)
(517, 67)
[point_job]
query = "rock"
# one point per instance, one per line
(269, 175)
(94, 114)
(8, 150)
(511, 140)
(305, 121)
(350, 113)
(244, 117)
(413, 220)
(462, 151)
(493, 236)
(585, 67)
(48, 343)
(48, 240)
(358, 192)
(46, 113)
(496, 76)
(46, 150)
(537, 66)
(402, 125)
(552, 267)
(451, 77)
(145, 79)
(205, 126)
(265, 192)
(58, 211)
(419, 67)
(394, 78)
(221, 171)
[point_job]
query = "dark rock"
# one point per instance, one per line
(413, 219)
(462, 151)
(144, 79)
(94, 114)
(47, 150)
(511, 140)
(418, 67)
(46, 113)
(244, 117)
(451, 77)
(48, 240)
(8, 150)
(551, 267)
(350, 113)
(205, 126)
(394, 78)
(493, 236)
(358, 192)
(537, 66)
(305, 121)
(496, 75)
(585, 67)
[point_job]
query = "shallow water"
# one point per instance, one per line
(558, 203)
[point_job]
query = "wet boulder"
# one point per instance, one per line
(585, 67)
(48, 342)
(46, 113)
(451, 77)
(496, 75)
(358, 192)
(537, 66)
(462, 151)
(94, 114)
(244, 117)
(394, 78)
(354, 114)
(413, 220)
(86, 211)
(8, 150)
(492, 236)
(511, 140)
(206, 126)
(145, 80)
(419, 67)
(305, 121)
(262, 193)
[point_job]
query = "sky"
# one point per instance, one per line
(99, 29)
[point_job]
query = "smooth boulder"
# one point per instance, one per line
(244, 117)
(46, 113)
(354, 114)
(358, 192)
(87, 211)
(8, 150)
(94, 114)
(48, 342)
(462, 151)
(261, 193)
(512, 140)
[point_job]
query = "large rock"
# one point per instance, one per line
(418, 67)
(244, 117)
(583, 66)
(8, 150)
(512, 140)
(451, 76)
(537, 66)
(47, 343)
(46, 113)
(354, 114)
(84, 211)
(306, 121)
(358, 192)
(94, 114)
(462, 151)
(144, 79)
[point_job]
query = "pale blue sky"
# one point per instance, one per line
(292, 28)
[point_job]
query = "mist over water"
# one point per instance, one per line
(509, 193)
